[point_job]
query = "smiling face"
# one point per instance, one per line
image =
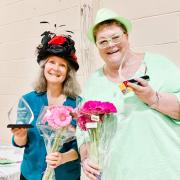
(116, 41)
(55, 70)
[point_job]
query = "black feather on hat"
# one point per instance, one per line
(61, 45)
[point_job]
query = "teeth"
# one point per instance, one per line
(113, 52)
(57, 75)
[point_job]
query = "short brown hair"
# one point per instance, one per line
(109, 22)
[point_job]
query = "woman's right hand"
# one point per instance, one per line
(19, 132)
(91, 170)
(20, 136)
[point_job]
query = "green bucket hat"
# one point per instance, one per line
(106, 14)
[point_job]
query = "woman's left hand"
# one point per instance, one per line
(54, 159)
(143, 91)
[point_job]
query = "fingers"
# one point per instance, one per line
(90, 169)
(90, 176)
(144, 91)
(19, 131)
(135, 87)
(54, 159)
(140, 86)
(142, 82)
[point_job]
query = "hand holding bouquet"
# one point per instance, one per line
(54, 123)
(97, 118)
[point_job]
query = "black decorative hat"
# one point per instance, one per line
(58, 45)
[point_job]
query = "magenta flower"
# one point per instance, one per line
(109, 107)
(82, 120)
(97, 119)
(96, 108)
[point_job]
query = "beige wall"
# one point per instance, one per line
(156, 28)
(20, 31)
(156, 24)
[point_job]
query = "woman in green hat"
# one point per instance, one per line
(146, 145)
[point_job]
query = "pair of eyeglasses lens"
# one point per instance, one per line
(104, 43)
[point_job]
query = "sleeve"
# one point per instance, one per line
(176, 87)
(165, 74)
(172, 83)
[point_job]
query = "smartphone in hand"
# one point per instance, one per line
(125, 89)
(146, 77)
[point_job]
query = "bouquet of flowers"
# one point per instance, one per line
(97, 118)
(53, 123)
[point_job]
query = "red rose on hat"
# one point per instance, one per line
(57, 40)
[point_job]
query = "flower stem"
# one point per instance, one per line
(48, 174)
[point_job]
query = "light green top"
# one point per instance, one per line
(147, 143)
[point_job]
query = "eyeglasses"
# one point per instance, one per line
(104, 43)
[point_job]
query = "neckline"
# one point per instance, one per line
(47, 103)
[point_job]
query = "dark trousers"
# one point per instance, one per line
(22, 177)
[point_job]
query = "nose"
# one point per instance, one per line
(56, 67)
(110, 43)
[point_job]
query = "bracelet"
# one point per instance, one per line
(156, 103)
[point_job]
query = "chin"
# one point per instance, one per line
(114, 60)
(114, 63)
(54, 81)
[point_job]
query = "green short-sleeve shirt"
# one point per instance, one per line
(147, 143)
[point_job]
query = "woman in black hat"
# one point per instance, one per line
(56, 85)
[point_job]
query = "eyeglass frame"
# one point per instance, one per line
(110, 40)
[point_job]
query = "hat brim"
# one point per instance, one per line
(127, 23)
